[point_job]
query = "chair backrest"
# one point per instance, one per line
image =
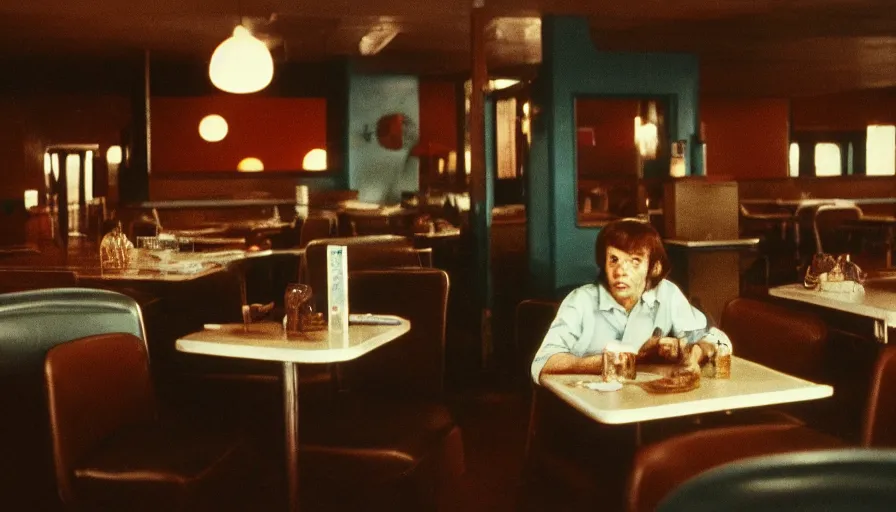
(316, 227)
(808, 242)
(31, 323)
(415, 363)
(95, 386)
(19, 280)
(34, 321)
(879, 429)
(533, 319)
(364, 253)
(829, 220)
(790, 341)
(831, 480)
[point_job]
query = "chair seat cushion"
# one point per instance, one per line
(163, 467)
(661, 467)
(377, 440)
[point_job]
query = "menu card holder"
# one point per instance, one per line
(337, 284)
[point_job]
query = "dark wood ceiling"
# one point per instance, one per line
(779, 48)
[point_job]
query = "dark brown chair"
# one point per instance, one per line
(567, 454)
(33, 322)
(790, 341)
(364, 253)
(774, 335)
(112, 452)
(533, 317)
(388, 441)
(661, 467)
(831, 233)
(315, 227)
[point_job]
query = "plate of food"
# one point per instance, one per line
(679, 381)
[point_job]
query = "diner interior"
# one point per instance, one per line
(176, 175)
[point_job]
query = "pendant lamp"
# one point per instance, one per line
(241, 63)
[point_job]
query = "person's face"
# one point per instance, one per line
(627, 275)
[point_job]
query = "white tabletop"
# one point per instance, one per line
(875, 302)
(750, 385)
(267, 341)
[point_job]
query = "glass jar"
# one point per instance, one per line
(297, 305)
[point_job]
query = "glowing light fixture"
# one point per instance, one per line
(30, 199)
(646, 133)
(113, 155)
(315, 160)
(250, 164)
(241, 64)
(377, 38)
(213, 128)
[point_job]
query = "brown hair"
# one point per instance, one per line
(631, 235)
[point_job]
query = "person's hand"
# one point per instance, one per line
(650, 346)
(670, 349)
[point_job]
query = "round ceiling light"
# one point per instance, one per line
(241, 63)
(315, 160)
(213, 128)
(250, 164)
(113, 155)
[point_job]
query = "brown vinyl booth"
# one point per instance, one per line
(388, 441)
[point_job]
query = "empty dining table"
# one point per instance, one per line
(268, 341)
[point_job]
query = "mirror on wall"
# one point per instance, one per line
(622, 144)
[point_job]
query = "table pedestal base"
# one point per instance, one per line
(291, 414)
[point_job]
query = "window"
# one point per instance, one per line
(880, 147)
(827, 159)
(794, 158)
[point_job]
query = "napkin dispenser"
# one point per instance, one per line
(831, 273)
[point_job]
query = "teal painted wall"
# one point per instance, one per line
(561, 254)
(380, 174)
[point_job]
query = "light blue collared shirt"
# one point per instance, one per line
(589, 318)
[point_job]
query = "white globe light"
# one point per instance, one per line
(241, 63)
(113, 155)
(250, 164)
(315, 160)
(213, 128)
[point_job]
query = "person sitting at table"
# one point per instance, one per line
(631, 303)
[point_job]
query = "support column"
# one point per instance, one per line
(479, 201)
(134, 177)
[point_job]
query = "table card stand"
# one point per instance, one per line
(337, 285)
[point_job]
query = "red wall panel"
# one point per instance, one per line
(745, 137)
(438, 113)
(278, 131)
